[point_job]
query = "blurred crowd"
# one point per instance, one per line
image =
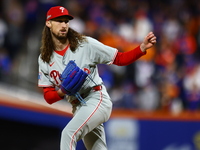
(167, 78)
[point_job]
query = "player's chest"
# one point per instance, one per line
(58, 64)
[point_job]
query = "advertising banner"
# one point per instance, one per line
(129, 134)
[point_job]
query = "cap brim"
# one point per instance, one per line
(68, 16)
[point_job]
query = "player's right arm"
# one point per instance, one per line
(51, 95)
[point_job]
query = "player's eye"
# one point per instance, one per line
(60, 21)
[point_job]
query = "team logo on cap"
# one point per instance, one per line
(62, 9)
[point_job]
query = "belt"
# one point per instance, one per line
(94, 88)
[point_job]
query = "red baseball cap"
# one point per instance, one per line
(58, 11)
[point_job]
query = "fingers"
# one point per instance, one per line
(150, 35)
(151, 38)
(148, 42)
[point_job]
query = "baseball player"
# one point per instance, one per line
(68, 70)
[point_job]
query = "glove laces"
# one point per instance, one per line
(79, 97)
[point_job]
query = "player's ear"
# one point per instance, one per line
(48, 24)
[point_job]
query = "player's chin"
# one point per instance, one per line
(62, 36)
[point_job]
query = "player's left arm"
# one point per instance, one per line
(126, 58)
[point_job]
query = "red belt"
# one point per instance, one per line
(94, 88)
(97, 88)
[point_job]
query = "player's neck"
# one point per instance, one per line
(60, 45)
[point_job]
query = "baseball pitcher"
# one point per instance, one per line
(68, 70)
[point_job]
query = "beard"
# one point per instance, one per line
(60, 36)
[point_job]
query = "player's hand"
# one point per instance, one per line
(148, 42)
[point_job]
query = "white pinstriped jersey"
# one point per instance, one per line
(86, 56)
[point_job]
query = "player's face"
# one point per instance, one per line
(59, 27)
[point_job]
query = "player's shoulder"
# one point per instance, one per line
(39, 58)
(92, 41)
(40, 61)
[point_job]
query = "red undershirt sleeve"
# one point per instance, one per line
(51, 95)
(126, 58)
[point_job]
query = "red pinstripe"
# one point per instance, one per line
(86, 120)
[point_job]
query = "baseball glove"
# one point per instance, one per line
(72, 79)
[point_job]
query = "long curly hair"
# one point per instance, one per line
(47, 44)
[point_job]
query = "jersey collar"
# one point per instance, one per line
(62, 52)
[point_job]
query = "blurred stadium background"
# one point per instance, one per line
(157, 98)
